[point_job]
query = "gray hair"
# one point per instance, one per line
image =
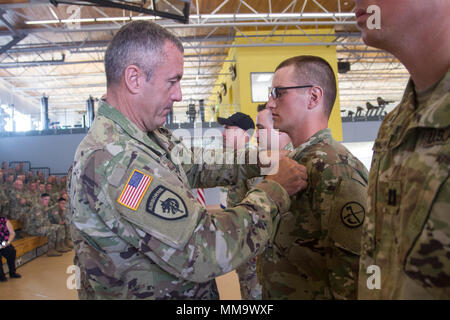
(139, 43)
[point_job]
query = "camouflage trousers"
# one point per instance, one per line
(53, 232)
(66, 231)
(251, 289)
(85, 291)
(67, 234)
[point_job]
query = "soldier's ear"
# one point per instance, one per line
(315, 98)
(132, 78)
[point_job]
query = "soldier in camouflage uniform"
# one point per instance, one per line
(31, 177)
(7, 188)
(16, 201)
(138, 231)
(31, 196)
(37, 224)
(3, 197)
(315, 252)
(236, 135)
(406, 234)
(50, 188)
(251, 288)
(57, 215)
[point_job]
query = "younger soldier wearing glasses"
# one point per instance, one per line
(315, 252)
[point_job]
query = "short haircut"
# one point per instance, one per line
(261, 107)
(140, 43)
(316, 71)
(45, 195)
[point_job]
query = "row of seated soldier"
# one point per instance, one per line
(38, 204)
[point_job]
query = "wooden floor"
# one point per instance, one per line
(45, 278)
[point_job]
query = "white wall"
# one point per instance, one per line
(22, 104)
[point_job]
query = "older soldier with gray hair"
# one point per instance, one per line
(315, 252)
(406, 234)
(137, 228)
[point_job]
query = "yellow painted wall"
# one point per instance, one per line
(266, 59)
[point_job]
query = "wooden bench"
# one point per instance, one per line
(26, 244)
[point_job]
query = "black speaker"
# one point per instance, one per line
(343, 67)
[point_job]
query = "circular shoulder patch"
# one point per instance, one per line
(353, 214)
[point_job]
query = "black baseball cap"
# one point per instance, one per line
(238, 119)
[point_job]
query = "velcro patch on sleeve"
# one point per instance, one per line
(134, 190)
(167, 211)
(166, 204)
(348, 214)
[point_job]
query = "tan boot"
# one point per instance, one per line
(61, 247)
(52, 252)
(68, 243)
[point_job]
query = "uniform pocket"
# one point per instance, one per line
(427, 261)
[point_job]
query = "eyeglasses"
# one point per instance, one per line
(275, 91)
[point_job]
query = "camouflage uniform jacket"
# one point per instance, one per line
(164, 245)
(315, 253)
(37, 218)
(3, 200)
(407, 228)
(15, 207)
(56, 215)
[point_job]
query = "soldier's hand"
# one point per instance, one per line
(269, 160)
(291, 175)
(23, 201)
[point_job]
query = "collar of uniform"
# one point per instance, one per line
(129, 127)
(436, 111)
(432, 114)
(324, 134)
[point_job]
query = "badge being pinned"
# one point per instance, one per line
(134, 189)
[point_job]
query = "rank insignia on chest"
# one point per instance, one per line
(166, 204)
(134, 190)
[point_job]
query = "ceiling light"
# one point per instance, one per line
(145, 18)
(113, 19)
(77, 20)
(42, 22)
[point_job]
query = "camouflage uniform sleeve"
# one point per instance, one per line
(170, 227)
(220, 168)
(345, 190)
(223, 241)
(236, 193)
(428, 261)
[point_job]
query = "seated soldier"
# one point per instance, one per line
(7, 188)
(58, 216)
(3, 197)
(37, 224)
(51, 190)
(16, 200)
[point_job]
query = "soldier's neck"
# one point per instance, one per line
(302, 134)
(426, 57)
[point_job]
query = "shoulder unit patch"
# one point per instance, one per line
(166, 204)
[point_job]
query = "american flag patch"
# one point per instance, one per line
(134, 190)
